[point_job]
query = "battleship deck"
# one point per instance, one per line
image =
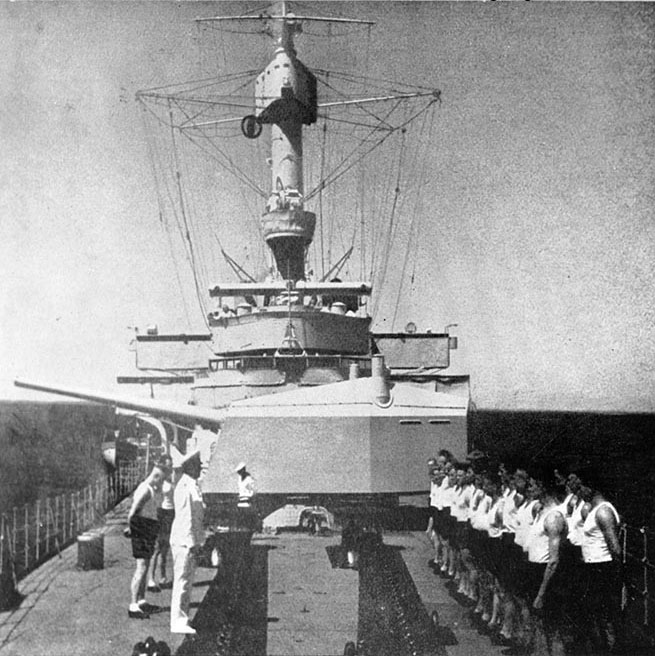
(291, 598)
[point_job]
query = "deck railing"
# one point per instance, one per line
(32, 533)
(639, 575)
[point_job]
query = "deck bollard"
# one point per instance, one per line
(91, 550)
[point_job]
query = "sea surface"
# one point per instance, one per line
(618, 450)
(48, 449)
(52, 448)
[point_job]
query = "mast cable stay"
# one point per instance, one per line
(186, 224)
(414, 230)
(336, 268)
(214, 157)
(336, 173)
(320, 197)
(231, 167)
(190, 211)
(172, 203)
(392, 225)
(381, 231)
(236, 267)
(160, 205)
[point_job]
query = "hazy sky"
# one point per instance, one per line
(539, 240)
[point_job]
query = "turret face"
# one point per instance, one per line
(285, 98)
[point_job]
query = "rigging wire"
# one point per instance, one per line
(161, 91)
(205, 144)
(425, 182)
(344, 167)
(378, 236)
(367, 66)
(230, 166)
(191, 212)
(195, 109)
(374, 82)
(160, 206)
(323, 150)
(362, 223)
(361, 107)
(187, 232)
(320, 196)
(415, 221)
(170, 195)
(392, 225)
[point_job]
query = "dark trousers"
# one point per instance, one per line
(602, 605)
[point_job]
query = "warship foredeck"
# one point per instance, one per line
(284, 595)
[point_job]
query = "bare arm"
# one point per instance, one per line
(139, 500)
(555, 527)
(607, 523)
(585, 510)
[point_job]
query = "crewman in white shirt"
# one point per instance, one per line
(246, 513)
(204, 441)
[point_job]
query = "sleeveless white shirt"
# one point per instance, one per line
(479, 515)
(447, 497)
(565, 505)
(594, 545)
(167, 489)
(509, 512)
(462, 502)
(524, 521)
(434, 494)
(538, 551)
(576, 522)
(494, 528)
(439, 504)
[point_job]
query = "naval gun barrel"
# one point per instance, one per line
(210, 416)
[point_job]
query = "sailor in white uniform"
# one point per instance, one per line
(202, 440)
(246, 514)
(187, 537)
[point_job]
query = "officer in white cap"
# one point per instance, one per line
(204, 441)
(187, 537)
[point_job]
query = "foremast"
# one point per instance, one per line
(286, 100)
(290, 322)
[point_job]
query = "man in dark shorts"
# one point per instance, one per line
(143, 531)
(165, 515)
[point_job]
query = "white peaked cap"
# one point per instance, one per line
(239, 467)
(180, 459)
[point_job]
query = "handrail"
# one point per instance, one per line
(34, 533)
(639, 571)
